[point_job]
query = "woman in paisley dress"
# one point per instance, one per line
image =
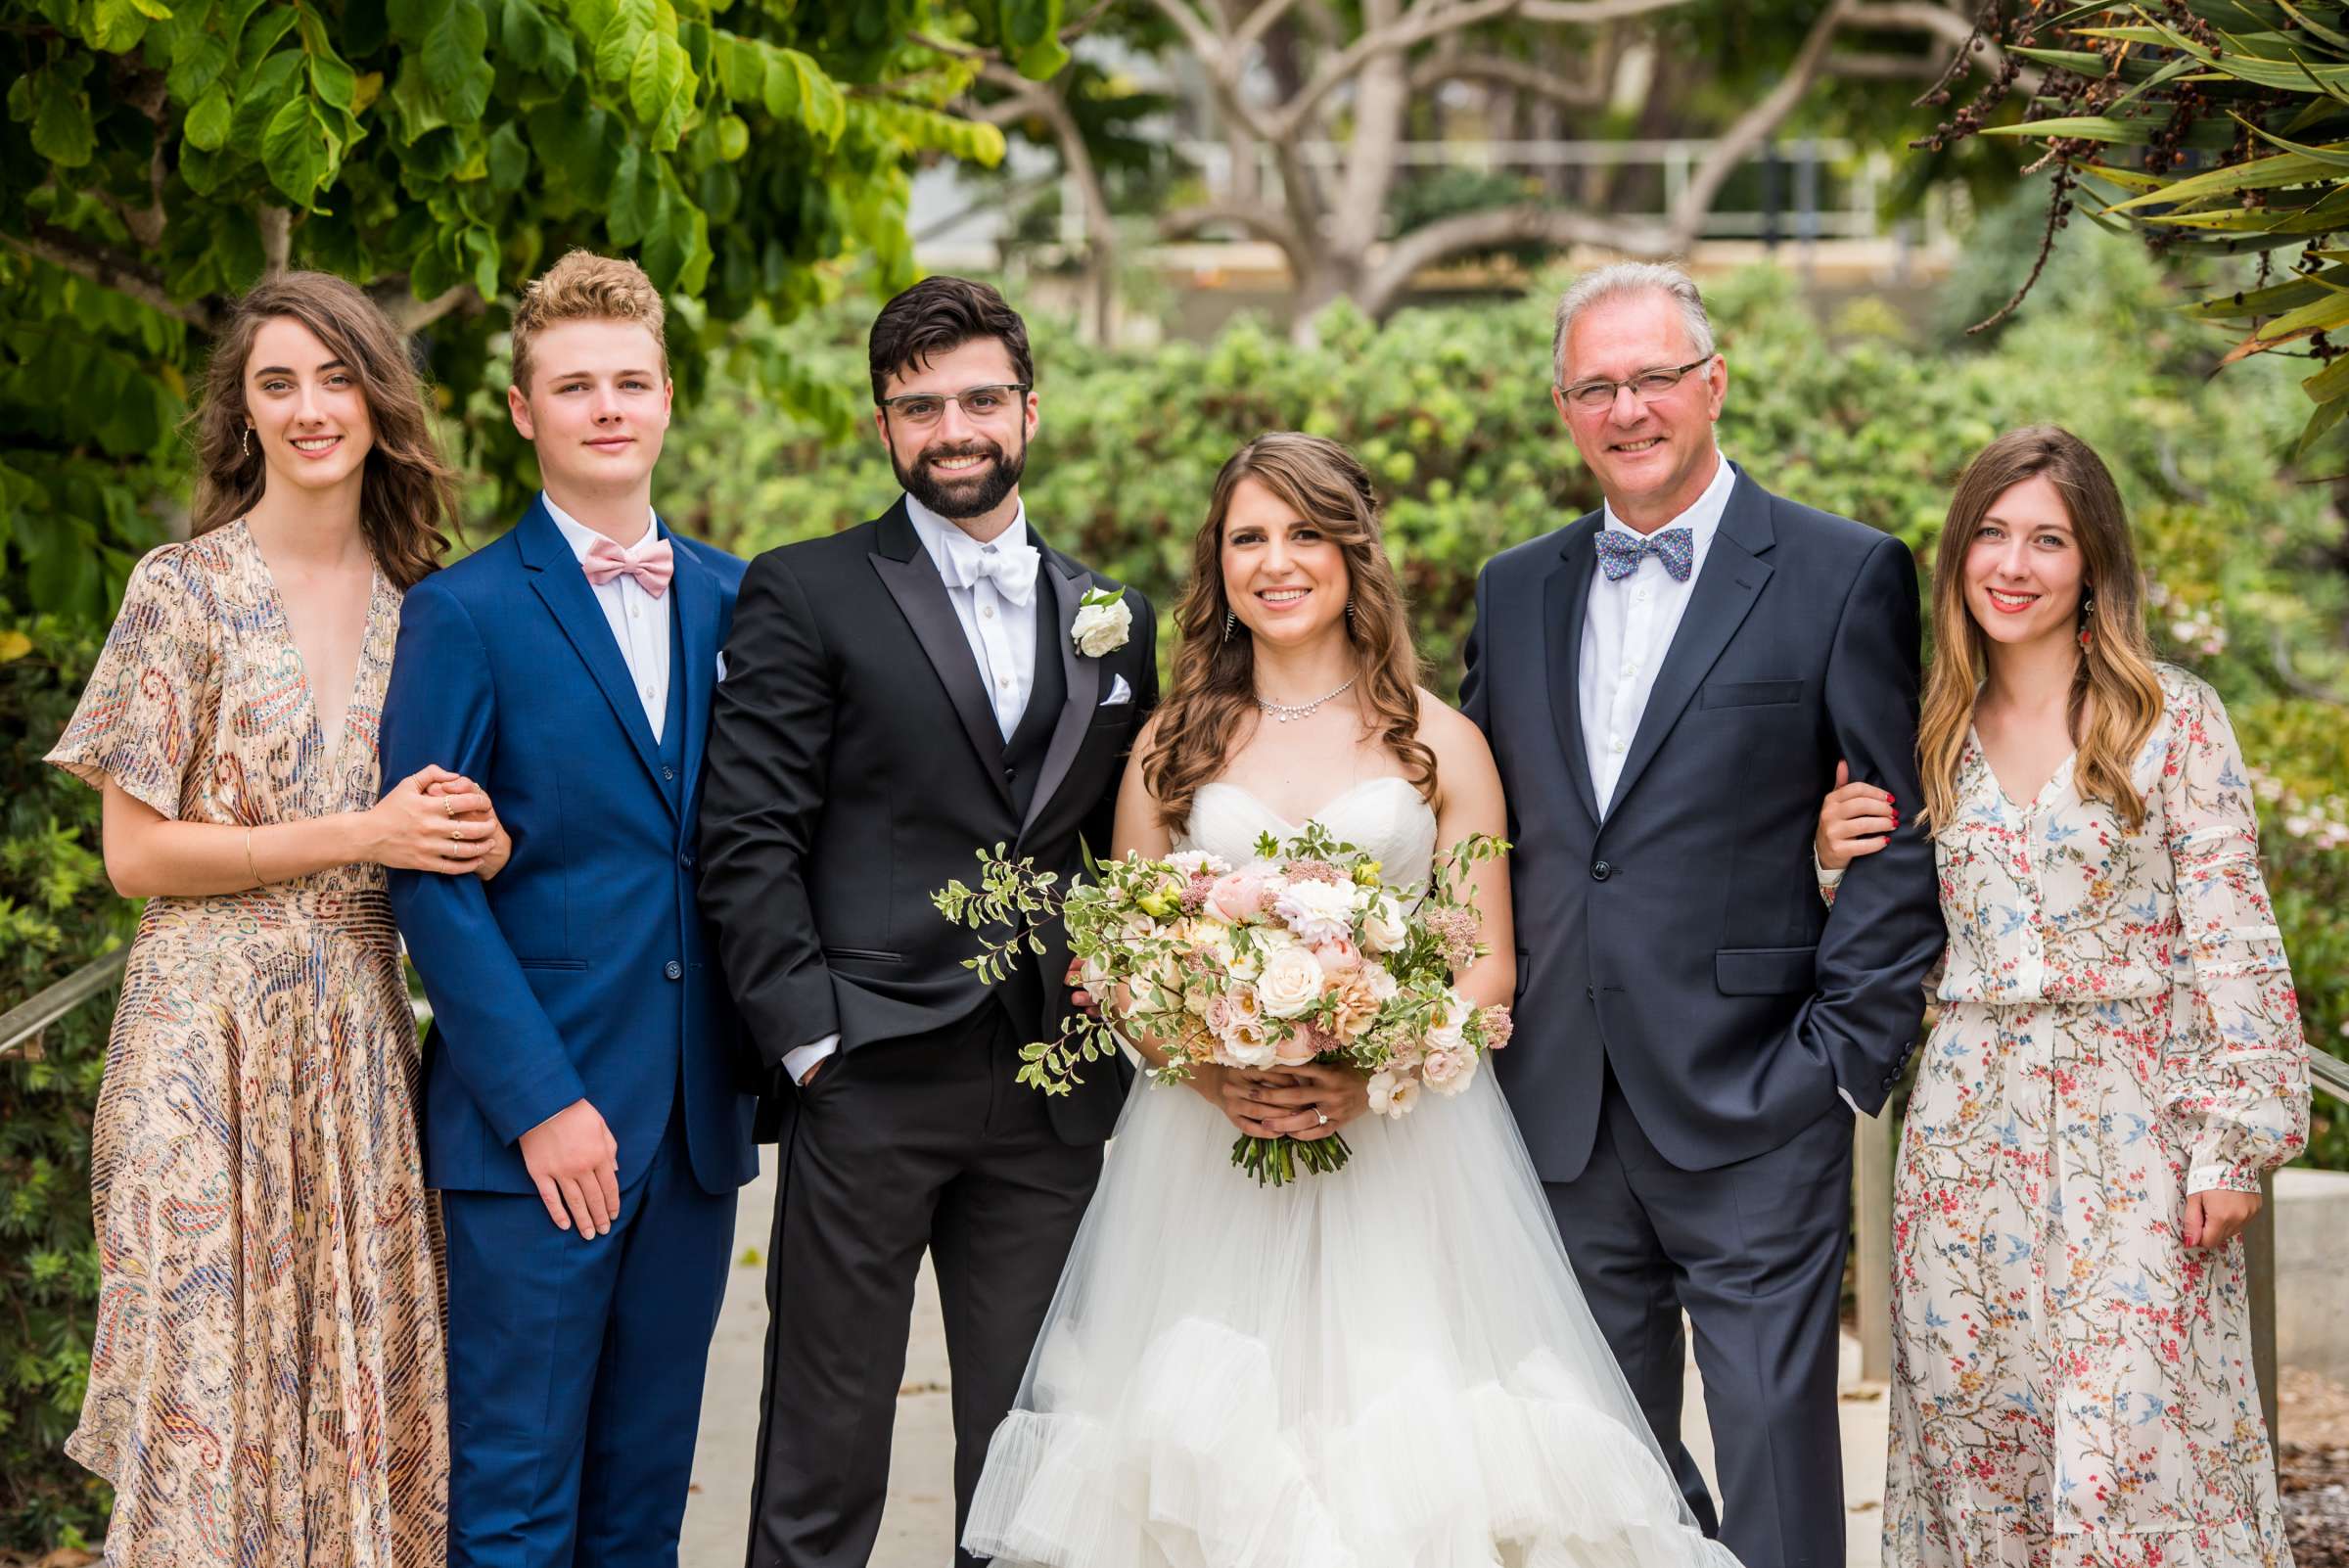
(267, 1384)
(1387, 1366)
(2118, 1061)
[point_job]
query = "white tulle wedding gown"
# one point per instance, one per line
(1390, 1367)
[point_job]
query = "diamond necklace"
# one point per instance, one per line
(1286, 711)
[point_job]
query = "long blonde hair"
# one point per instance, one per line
(1214, 689)
(2116, 695)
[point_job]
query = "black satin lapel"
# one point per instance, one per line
(1085, 690)
(921, 595)
(696, 593)
(1565, 600)
(568, 597)
(1726, 590)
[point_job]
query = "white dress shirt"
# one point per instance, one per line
(1003, 639)
(639, 622)
(1628, 629)
(1001, 634)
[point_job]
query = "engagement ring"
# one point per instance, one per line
(1321, 1117)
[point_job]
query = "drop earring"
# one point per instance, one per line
(245, 440)
(2087, 613)
(1229, 621)
(1350, 614)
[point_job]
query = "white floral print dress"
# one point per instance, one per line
(2072, 1386)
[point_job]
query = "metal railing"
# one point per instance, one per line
(21, 1027)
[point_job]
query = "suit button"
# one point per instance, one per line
(1601, 870)
(685, 859)
(668, 772)
(673, 970)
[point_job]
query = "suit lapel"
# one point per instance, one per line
(911, 578)
(1725, 590)
(1565, 604)
(1069, 583)
(695, 595)
(560, 584)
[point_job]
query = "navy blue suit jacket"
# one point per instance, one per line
(582, 971)
(1680, 937)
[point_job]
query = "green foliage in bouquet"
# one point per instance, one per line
(1185, 953)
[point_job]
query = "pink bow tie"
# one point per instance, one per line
(649, 564)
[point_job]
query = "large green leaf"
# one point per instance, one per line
(296, 148)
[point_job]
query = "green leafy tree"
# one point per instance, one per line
(2213, 128)
(156, 156)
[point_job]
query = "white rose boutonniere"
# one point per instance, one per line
(1103, 622)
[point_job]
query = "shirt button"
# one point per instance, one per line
(673, 970)
(1631, 667)
(635, 613)
(1639, 597)
(1003, 681)
(986, 611)
(1614, 743)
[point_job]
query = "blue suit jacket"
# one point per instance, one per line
(582, 971)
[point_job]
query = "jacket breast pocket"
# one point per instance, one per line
(1765, 971)
(865, 955)
(1750, 693)
(553, 963)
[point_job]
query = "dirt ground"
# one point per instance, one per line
(2312, 1430)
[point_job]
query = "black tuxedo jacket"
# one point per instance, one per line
(855, 766)
(1682, 937)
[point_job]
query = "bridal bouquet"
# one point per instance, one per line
(1299, 955)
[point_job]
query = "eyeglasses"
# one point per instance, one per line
(1593, 395)
(920, 410)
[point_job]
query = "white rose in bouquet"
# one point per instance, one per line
(1392, 1096)
(1291, 982)
(1383, 928)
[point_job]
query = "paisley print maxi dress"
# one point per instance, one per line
(2072, 1386)
(266, 1382)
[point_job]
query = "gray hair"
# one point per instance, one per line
(1631, 277)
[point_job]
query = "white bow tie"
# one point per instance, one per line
(1012, 566)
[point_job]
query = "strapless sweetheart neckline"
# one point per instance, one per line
(1318, 813)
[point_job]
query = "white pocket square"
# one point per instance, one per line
(721, 665)
(1118, 693)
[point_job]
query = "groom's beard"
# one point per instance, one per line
(962, 495)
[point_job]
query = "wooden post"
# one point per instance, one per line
(2259, 1260)
(1872, 1208)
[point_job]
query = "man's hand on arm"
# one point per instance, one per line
(574, 1161)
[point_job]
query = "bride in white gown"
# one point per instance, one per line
(1387, 1367)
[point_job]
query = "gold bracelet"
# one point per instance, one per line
(249, 867)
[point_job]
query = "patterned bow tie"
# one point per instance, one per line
(1012, 566)
(649, 564)
(1620, 553)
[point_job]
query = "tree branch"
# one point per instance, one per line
(1950, 27)
(1252, 217)
(1259, 22)
(1523, 76)
(412, 315)
(1590, 12)
(108, 270)
(1466, 233)
(1865, 65)
(1431, 19)
(1756, 126)
(277, 239)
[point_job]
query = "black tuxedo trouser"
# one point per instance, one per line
(901, 1145)
(1754, 1251)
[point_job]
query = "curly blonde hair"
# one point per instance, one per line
(587, 286)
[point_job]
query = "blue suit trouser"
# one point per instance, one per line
(576, 1371)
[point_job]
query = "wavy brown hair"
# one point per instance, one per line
(1213, 691)
(409, 494)
(2116, 695)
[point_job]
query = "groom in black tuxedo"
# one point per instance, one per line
(1667, 686)
(897, 697)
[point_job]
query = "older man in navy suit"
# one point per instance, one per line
(1667, 686)
(582, 1118)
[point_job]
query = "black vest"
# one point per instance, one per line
(1031, 738)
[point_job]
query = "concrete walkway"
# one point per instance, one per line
(918, 1529)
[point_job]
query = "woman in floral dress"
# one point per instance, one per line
(266, 1383)
(2117, 1062)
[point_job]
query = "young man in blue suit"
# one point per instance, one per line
(581, 1115)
